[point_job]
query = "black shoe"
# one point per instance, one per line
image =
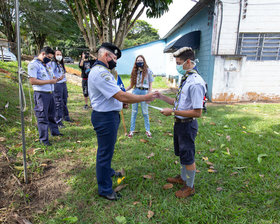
(112, 197)
(59, 134)
(117, 174)
(46, 143)
(86, 107)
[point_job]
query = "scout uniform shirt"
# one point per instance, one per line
(58, 71)
(37, 70)
(192, 93)
(147, 80)
(102, 86)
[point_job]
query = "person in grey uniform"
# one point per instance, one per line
(60, 90)
(42, 79)
(187, 106)
(107, 101)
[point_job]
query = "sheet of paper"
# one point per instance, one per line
(157, 108)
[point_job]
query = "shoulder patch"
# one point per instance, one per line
(108, 78)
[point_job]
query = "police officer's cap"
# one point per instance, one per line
(112, 48)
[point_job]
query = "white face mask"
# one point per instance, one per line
(58, 57)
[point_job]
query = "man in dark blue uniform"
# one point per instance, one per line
(42, 80)
(106, 100)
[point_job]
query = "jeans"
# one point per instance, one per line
(145, 112)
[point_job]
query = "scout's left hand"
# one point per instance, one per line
(166, 111)
(61, 77)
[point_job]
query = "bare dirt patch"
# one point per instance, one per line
(20, 201)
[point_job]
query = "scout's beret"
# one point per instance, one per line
(112, 48)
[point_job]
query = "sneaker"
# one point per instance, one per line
(185, 192)
(60, 125)
(85, 107)
(176, 180)
(130, 134)
(149, 134)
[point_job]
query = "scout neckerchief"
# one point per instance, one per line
(184, 78)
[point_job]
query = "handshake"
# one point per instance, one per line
(152, 96)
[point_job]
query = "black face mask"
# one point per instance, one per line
(139, 64)
(46, 60)
(86, 57)
(112, 64)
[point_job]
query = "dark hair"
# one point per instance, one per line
(61, 62)
(133, 76)
(188, 54)
(47, 50)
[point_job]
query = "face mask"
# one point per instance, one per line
(180, 69)
(86, 56)
(58, 57)
(139, 64)
(112, 64)
(46, 60)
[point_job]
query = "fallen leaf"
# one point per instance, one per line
(36, 140)
(68, 150)
(199, 152)
(240, 167)
(150, 214)
(234, 173)
(120, 187)
(228, 150)
(244, 132)
(222, 146)
(225, 126)
(18, 145)
(260, 156)
(228, 138)
(168, 186)
(44, 165)
(211, 167)
(261, 175)
(120, 180)
(219, 134)
(208, 141)
(209, 163)
(167, 149)
(2, 139)
(212, 123)
(205, 158)
(143, 140)
(212, 150)
(176, 162)
(149, 176)
(197, 171)
(219, 189)
(212, 171)
(151, 155)
(136, 202)
(78, 141)
(170, 134)
(243, 127)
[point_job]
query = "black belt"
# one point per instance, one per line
(178, 120)
(142, 88)
(43, 91)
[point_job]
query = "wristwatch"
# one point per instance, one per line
(173, 112)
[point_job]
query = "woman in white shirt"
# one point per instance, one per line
(141, 80)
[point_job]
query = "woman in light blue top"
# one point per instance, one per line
(60, 90)
(141, 79)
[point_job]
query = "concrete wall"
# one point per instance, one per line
(236, 78)
(153, 53)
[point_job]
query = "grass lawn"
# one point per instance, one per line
(241, 141)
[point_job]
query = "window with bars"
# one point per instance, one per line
(259, 46)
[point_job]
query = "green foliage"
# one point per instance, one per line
(142, 32)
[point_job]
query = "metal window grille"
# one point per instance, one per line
(259, 46)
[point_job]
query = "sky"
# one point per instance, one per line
(177, 10)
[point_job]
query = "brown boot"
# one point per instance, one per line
(185, 192)
(175, 180)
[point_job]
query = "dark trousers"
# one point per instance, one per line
(184, 141)
(60, 99)
(45, 112)
(106, 126)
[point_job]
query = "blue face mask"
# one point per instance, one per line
(139, 64)
(180, 69)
